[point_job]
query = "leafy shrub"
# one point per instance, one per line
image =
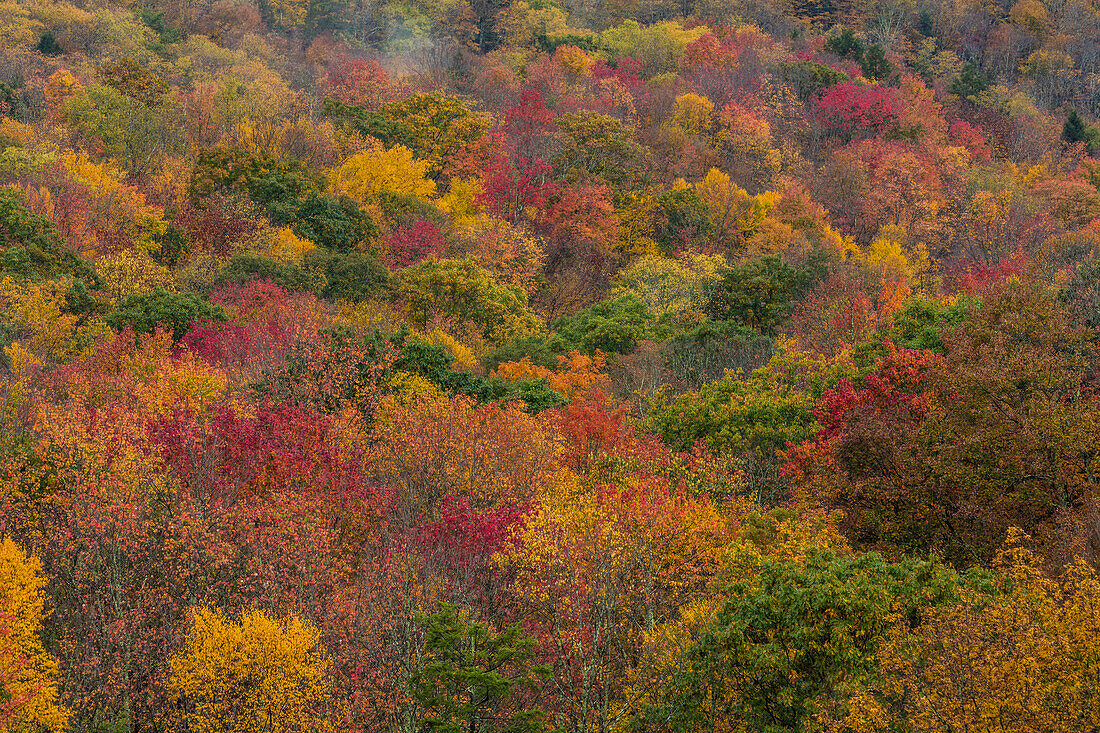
(247, 267)
(613, 326)
(172, 311)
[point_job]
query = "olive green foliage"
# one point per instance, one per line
(596, 145)
(920, 324)
(612, 326)
(921, 321)
(871, 59)
(79, 301)
(469, 673)
(174, 312)
(354, 276)
(11, 100)
(334, 222)
(874, 63)
(369, 123)
(48, 46)
(434, 125)
(806, 78)
(684, 218)
(791, 645)
(172, 246)
(166, 34)
(1082, 293)
(734, 415)
(1076, 131)
(971, 82)
(432, 362)
(400, 210)
(463, 292)
(127, 129)
(541, 349)
(439, 126)
(758, 293)
(279, 185)
(133, 79)
(704, 353)
(246, 267)
(549, 44)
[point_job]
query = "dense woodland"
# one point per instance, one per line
(542, 366)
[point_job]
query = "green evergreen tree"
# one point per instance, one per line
(470, 675)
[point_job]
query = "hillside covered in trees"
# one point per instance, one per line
(541, 366)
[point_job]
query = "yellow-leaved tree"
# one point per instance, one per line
(669, 285)
(282, 245)
(132, 272)
(733, 212)
(28, 674)
(1025, 657)
(894, 258)
(395, 169)
(35, 313)
(694, 114)
(261, 674)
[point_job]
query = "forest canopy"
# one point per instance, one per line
(549, 366)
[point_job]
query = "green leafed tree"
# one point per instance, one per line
(795, 642)
(173, 312)
(758, 293)
(465, 294)
(596, 145)
(471, 677)
(613, 326)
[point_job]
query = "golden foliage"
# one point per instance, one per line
(732, 209)
(1024, 659)
(460, 201)
(260, 675)
(891, 256)
(520, 23)
(368, 315)
(17, 28)
(36, 313)
(573, 61)
(27, 671)
(282, 245)
(132, 272)
(396, 169)
(464, 357)
(111, 199)
(669, 285)
(21, 133)
(636, 212)
(409, 389)
(693, 113)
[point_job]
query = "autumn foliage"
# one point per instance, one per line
(504, 366)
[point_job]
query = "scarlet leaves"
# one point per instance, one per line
(858, 110)
(414, 244)
(515, 189)
(358, 81)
